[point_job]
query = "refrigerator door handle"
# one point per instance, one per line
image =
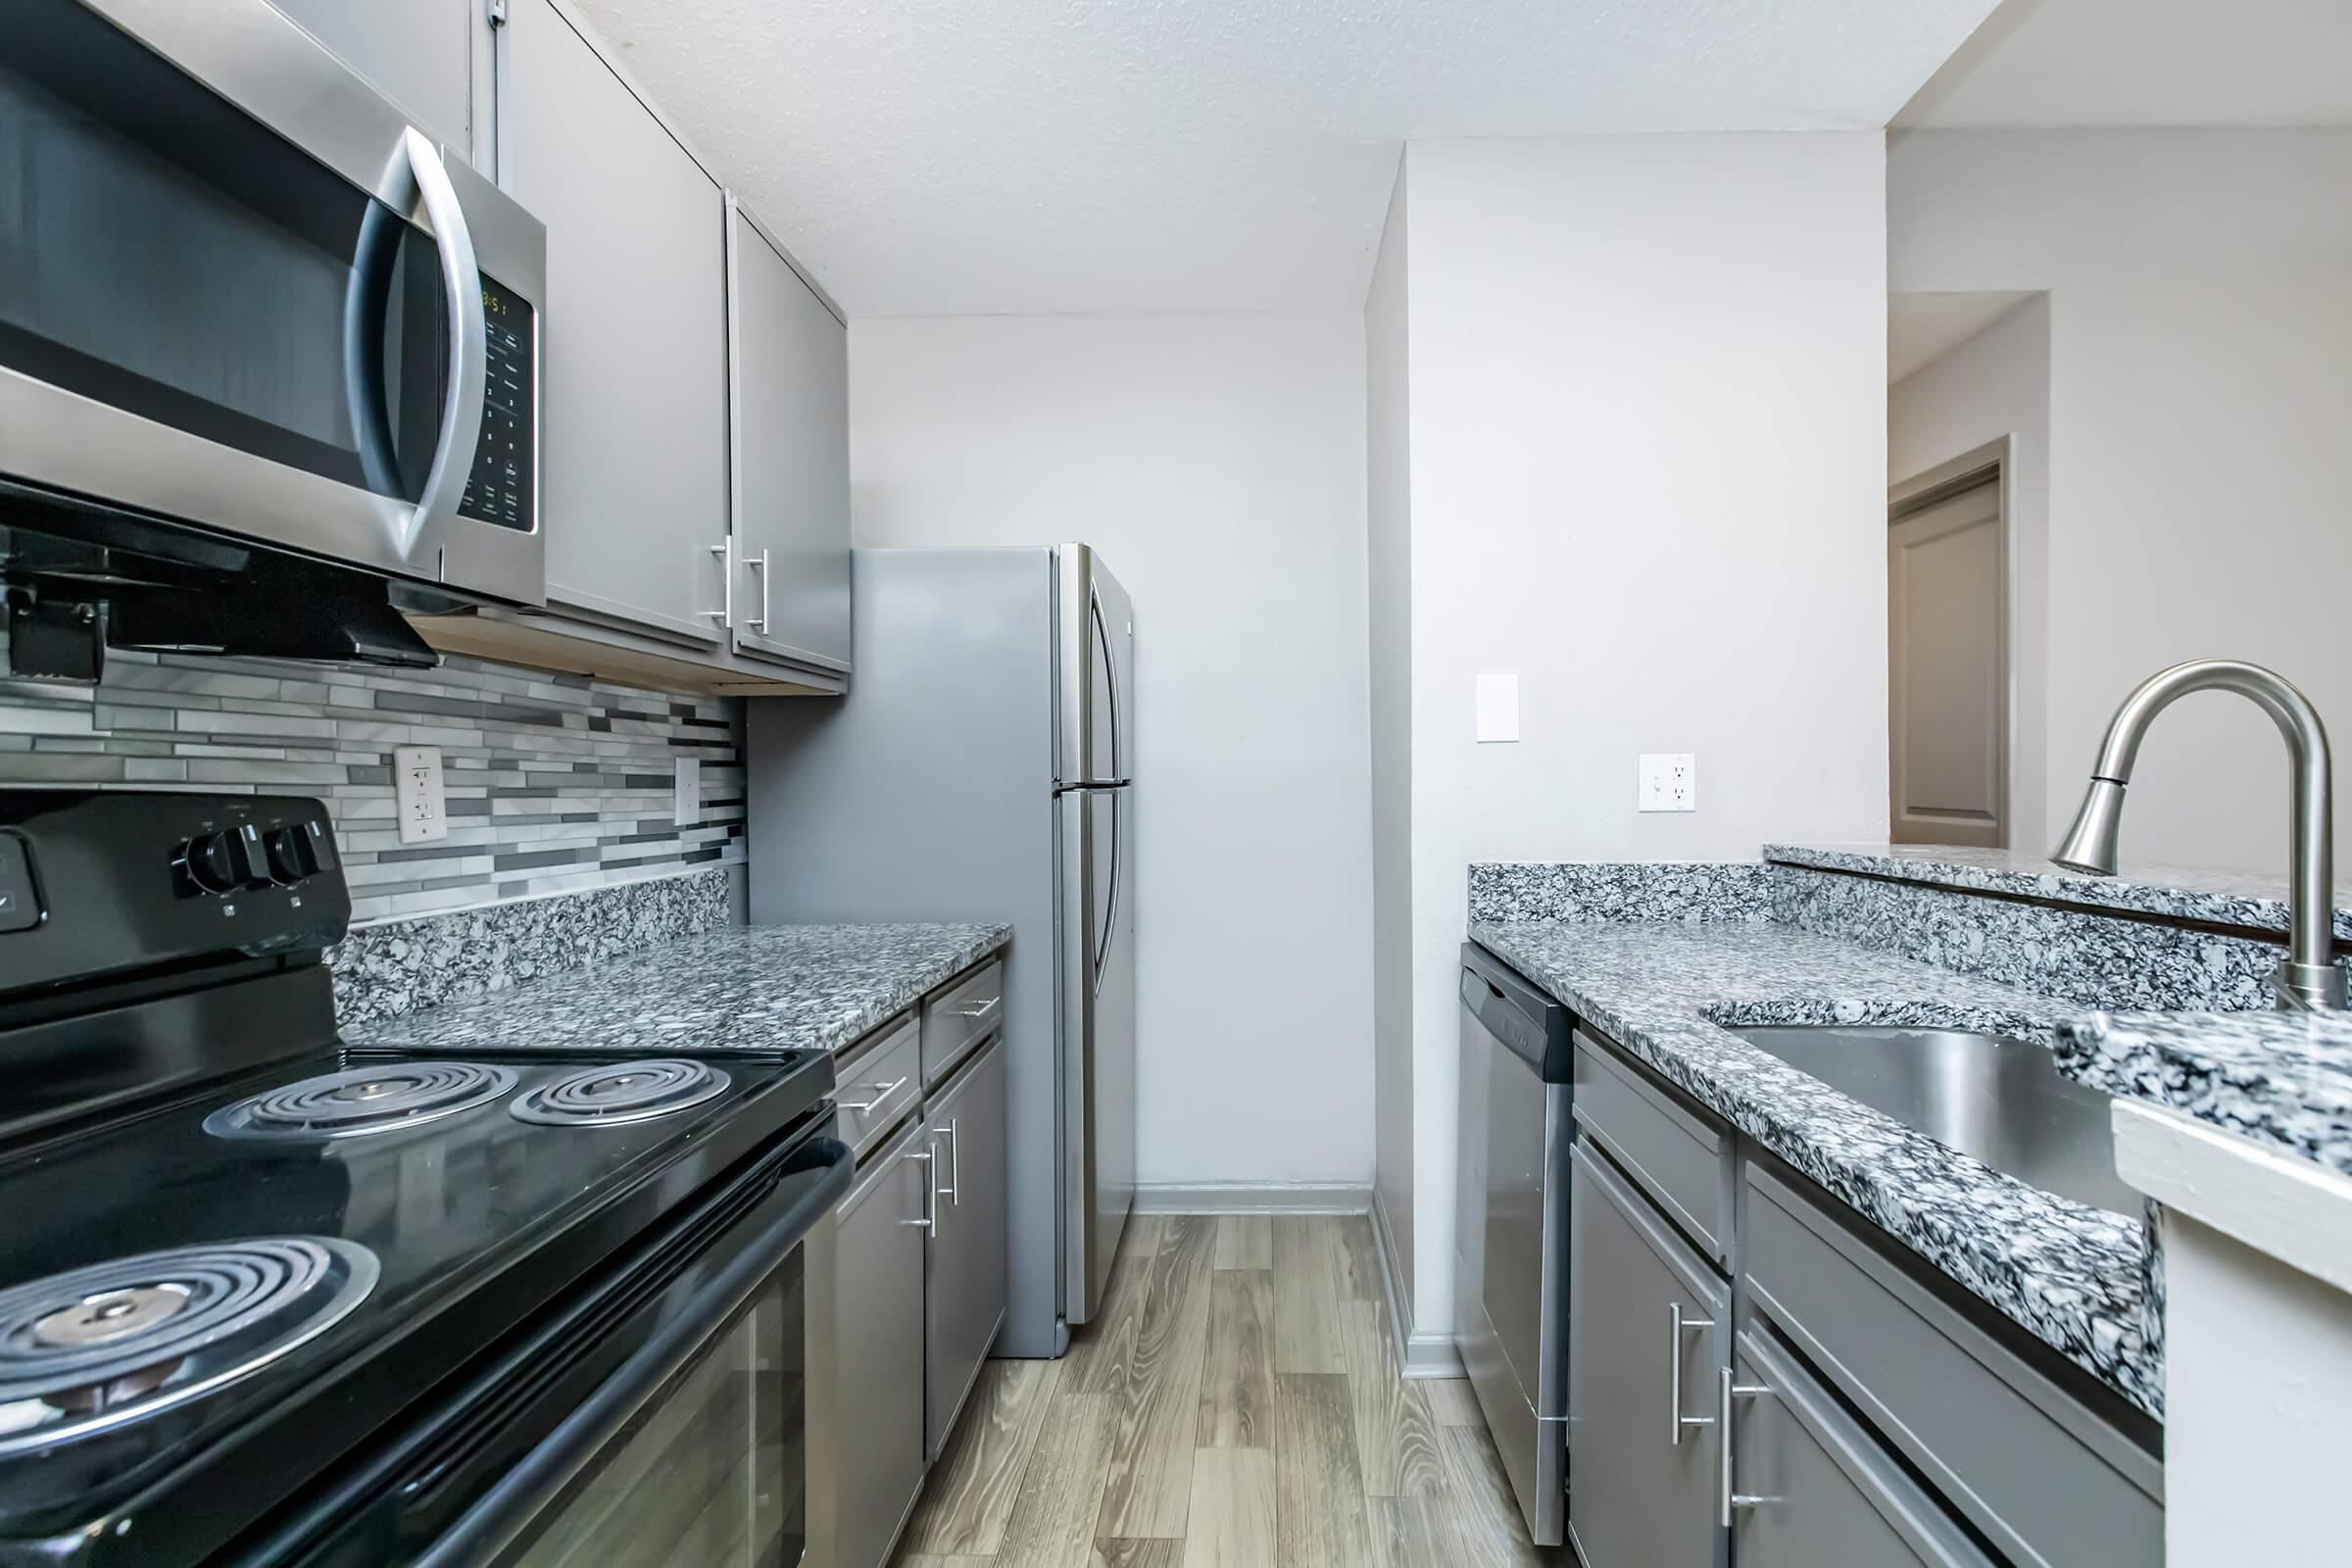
(1111, 916)
(1118, 749)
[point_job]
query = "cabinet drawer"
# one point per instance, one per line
(961, 1017)
(2042, 1475)
(1813, 1488)
(881, 1084)
(1683, 1164)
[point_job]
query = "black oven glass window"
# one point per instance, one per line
(711, 1471)
(164, 253)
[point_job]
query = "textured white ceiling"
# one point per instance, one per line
(948, 157)
(1920, 326)
(2080, 63)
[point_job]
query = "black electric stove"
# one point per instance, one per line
(258, 1296)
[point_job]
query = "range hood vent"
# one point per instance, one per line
(82, 577)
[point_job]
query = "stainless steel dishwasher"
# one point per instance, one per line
(1512, 1230)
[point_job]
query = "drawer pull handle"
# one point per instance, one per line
(1728, 1391)
(882, 1092)
(1680, 1326)
(974, 1010)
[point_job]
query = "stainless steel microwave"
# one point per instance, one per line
(243, 301)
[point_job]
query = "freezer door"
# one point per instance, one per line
(1097, 1022)
(1096, 642)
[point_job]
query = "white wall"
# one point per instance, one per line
(1387, 506)
(1995, 384)
(1218, 464)
(2200, 446)
(1648, 473)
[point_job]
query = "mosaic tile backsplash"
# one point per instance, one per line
(555, 783)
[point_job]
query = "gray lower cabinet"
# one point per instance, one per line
(1811, 1488)
(966, 1128)
(791, 455)
(865, 1449)
(634, 494)
(1646, 1356)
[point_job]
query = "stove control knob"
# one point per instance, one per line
(289, 855)
(207, 861)
(246, 857)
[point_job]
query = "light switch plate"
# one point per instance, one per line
(1498, 708)
(1669, 781)
(416, 784)
(686, 803)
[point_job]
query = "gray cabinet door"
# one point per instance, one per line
(872, 1442)
(968, 1152)
(1813, 1488)
(791, 449)
(635, 494)
(1644, 1477)
(423, 55)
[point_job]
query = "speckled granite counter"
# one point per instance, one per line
(739, 989)
(2075, 1277)
(2170, 893)
(2283, 1079)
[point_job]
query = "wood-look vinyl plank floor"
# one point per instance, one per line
(1235, 1404)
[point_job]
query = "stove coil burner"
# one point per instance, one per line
(364, 1100)
(619, 1093)
(96, 1348)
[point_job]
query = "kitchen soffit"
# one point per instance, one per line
(941, 159)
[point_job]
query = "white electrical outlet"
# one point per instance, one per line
(1669, 781)
(416, 782)
(686, 803)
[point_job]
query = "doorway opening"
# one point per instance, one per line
(1947, 654)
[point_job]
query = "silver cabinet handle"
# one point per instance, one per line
(1680, 1325)
(974, 1010)
(1727, 1392)
(469, 343)
(724, 615)
(930, 1219)
(953, 1191)
(882, 1092)
(759, 564)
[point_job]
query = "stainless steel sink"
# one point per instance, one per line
(1996, 1100)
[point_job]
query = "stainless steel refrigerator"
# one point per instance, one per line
(982, 767)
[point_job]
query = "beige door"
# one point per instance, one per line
(1947, 688)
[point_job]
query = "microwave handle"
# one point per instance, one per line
(503, 1512)
(468, 346)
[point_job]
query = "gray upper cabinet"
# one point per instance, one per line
(425, 55)
(969, 1154)
(636, 390)
(791, 461)
(1644, 1381)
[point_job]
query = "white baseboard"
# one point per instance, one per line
(1251, 1197)
(1418, 1355)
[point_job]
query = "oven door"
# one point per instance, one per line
(238, 290)
(661, 1418)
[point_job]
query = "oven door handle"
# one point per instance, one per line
(468, 339)
(502, 1513)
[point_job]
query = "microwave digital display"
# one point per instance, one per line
(500, 490)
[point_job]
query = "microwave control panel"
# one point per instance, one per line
(501, 489)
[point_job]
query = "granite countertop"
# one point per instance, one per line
(2283, 1079)
(2174, 893)
(737, 989)
(2077, 1278)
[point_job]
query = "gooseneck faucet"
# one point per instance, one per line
(2309, 977)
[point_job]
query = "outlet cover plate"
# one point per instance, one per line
(1669, 781)
(686, 799)
(417, 785)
